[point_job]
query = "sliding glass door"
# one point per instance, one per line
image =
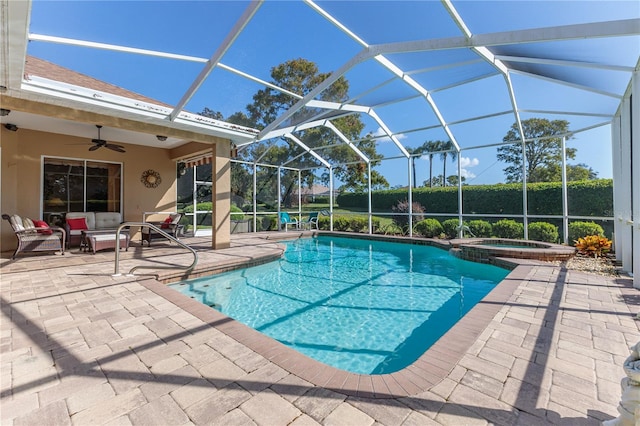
(76, 185)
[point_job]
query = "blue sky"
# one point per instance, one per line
(283, 30)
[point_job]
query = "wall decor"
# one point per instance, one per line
(150, 178)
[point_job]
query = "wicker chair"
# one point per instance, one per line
(31, 240)
(171, 226)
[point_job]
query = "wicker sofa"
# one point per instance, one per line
(94, 221)
(34, 239)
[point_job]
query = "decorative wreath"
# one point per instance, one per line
(150, 178)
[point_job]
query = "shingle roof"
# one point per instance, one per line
(41, 68)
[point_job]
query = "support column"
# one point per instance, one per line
(410, 197)
(279, 193)
(460, 210)
(331, 198)
(634, 184)
(369, 195)
(299, 196)
(565, 203)
(255, 198)
(525, 207)
(221, 183)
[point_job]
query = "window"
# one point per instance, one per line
(195, 198)
(73, 185)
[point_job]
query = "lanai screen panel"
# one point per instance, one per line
(161, 50)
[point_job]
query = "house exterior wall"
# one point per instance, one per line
(21, 168)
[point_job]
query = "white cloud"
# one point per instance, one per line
(380, 132)
(466, 162)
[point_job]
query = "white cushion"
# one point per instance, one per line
(107, 220)
(16, 223)
(107, 237)
(28, 224)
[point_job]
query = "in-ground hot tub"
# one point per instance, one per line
(481, 250)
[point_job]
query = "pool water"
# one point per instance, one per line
(367, 307)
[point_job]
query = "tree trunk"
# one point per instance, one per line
(444, 171)
(430, 170)
(413, 169)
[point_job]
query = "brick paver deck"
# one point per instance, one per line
(80, 346)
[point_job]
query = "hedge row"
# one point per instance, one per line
(433, 228)
(585, 198)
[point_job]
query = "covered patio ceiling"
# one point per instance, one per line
(417, 70)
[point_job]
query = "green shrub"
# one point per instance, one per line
(359, 224)
(480, 228)
(450, 228)
(236, 213)
(341, 223)
(583, 229)
(402, 220)
(429, 228)
(205, 206)
(267, 223)
(543, 231)
(320, 199)
(324, 223)
(389, 229)
(508, 228)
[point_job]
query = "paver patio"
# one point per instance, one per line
(79, 346)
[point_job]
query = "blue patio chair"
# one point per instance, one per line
(310, 222)
(286, 220)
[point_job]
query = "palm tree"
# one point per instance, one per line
(448, 150)
(431, 147)
(414, 152)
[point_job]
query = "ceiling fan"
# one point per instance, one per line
(99, 143)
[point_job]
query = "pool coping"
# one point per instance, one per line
(483, 249)
(428, 370)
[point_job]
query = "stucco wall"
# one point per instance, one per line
(22, 153)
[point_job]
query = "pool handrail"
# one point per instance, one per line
(161, 232)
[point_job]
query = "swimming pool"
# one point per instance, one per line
(368, 307)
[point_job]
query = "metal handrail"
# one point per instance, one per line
(161, 232)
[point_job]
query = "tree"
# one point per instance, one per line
(415, 153)
(300, 76)
(432, 147)
(543, 156)
(575, 172)
(448, 150)
(580, 172)
(435, 181)
(452, 180)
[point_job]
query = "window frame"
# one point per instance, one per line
(84, 161)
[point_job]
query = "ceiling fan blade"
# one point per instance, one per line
(101, 142)
(116, 148)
